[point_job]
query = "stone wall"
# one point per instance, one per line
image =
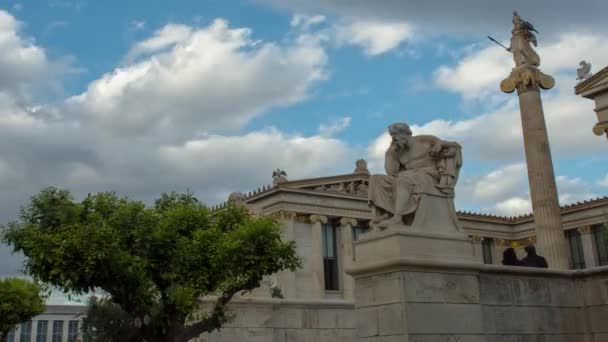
(474, 303)
(440, 302)
(274, 320)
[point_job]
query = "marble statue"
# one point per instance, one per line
(584, 72)
(415, 166)
(361, 166)
(279, 176)
(521, 41)
(236, 199)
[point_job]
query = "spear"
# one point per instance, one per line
(495, 41)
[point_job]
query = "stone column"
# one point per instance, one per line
(286, 279)
(588, 247)
(316, 255)
(528, 80)
(346, 255)
(477, 247)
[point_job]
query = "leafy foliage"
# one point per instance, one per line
(105, 321)
(154, 262)
(20, 300)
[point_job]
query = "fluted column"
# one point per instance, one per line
(316, 255)
(528, 80)
(588, 247)
(477, 247)
(286, 280)
(346, 255)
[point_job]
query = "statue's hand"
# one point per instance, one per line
(436, 150)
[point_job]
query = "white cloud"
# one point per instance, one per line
(305, 22)
(375, 37)
(201, 80)
(501, 183)
(138, 24)
(604, 181)
(479, 74)
(334, 127)
(24, 66)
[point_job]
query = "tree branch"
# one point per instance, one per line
(211, 323)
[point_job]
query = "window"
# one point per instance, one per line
(600, 235)
(72, 331)
(26, 332)
(330, 257)
(57, 331)
(487, 245)
(11, 336)
(577, 258)
(41, 331)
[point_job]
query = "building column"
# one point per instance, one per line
(477, 248)
(286, 280)
(316, 255)
(346, 256)
(588, 247)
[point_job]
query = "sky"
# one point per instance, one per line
(144, 97)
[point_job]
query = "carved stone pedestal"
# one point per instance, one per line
(405, 242)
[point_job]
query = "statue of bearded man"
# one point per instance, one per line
(415, 166)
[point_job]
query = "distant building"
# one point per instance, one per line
(59, 323)
(596, 88)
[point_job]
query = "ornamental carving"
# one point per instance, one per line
(318, 219)
(526, 79)
(345, 221)
(356, 188)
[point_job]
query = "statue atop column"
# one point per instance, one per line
(526, 75)
(417, 167)
(521, 41)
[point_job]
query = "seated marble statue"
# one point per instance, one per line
(415, 166)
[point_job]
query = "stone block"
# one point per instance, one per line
(489, 319)
(427, 287)
(532, 291)
(600, 338)
(391, 320)
(599, 316)
(564, 292)
(286, 318)
(367, 321)
(596, 291)
(447, 338)
(434, 318)
(496, 290)
(387, 288)
(310, 318)
(364, 291)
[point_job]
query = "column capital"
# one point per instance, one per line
(476, 239)
(584, 230)
(285, 215)
(318, 219)
(347, 221)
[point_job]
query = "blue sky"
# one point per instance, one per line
(142, 97)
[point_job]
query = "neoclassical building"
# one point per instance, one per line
(326, 215)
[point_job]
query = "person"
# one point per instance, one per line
(533, 259)
(414, 165)
(509, 258)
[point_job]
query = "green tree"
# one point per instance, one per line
(105, 321)
(20, 300)
(155, 262)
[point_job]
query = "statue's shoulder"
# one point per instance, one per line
(426, 138)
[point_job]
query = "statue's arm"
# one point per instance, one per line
(391, 161)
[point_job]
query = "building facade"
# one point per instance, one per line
(326, 215)
(59, 323)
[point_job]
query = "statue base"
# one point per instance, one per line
(407, 242)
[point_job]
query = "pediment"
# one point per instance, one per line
(353, 184)
(597, 82)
